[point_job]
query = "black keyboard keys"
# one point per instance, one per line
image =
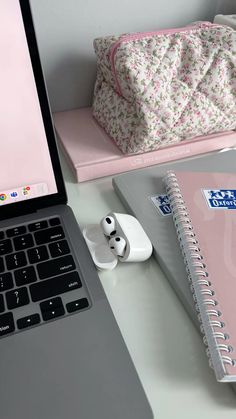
(5, 247)
(16, 260)
(39, 225)
(59, 248)
(2, 306)
(49, 235)
(25, 276)
(55, 286)
(55, 267)
(38, 254)
(6, 281)
(6, 324)
(23, 242)
(22, 264)
(16, 231)
(54, 221)
(52, 308)
(28, 321)
(17, 298)
(77, 305)
(1, 265)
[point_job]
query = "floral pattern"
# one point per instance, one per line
(172, 87)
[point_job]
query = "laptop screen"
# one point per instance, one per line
(26, 169)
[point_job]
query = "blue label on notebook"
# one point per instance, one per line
(161, 202)
(220, 198)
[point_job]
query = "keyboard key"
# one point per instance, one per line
(23, 242)
(2, 235)
(2, 307)
(55, 267)
(16, 231)
(16, 260)
(38, 254)
(6, 282)
(59, 248)
(52, 308)
(49, 315)
(1, 265)
(54, 221)
(51, 304)
(6, 324)
(17, 298)
(39, 225)
(25, 276)
(49, 235)
(28, 321)
(5, 247)
(77, 305)
(55, 286)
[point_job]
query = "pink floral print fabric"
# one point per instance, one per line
(155, 90)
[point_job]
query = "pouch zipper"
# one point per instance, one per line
(141, 35)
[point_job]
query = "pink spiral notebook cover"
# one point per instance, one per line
(210, 199)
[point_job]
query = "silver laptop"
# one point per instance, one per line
(61, 352)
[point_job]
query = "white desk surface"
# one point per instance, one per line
(166, 348)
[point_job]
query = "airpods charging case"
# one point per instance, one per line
(99, 249)
(138, 246)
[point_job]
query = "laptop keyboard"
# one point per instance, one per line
(39, 281)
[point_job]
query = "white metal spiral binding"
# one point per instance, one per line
(192, 256)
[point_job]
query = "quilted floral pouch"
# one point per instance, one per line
(155, 89)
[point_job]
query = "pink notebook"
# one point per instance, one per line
(92, 154)
(204, 212)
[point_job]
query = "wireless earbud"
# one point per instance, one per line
(117, 245)
(108, 226)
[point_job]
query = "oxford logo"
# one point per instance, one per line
(220, 198)
(162, 204)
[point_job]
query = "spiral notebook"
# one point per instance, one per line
(204, 211)
(139, 191)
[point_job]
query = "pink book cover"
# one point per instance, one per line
(204, 211)
(92, 154)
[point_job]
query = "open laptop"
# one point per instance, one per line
(61, 352)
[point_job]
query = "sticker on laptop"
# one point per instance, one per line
(220, 198)
(162, 204)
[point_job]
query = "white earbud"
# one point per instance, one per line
(108, 226)
(118, 245)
